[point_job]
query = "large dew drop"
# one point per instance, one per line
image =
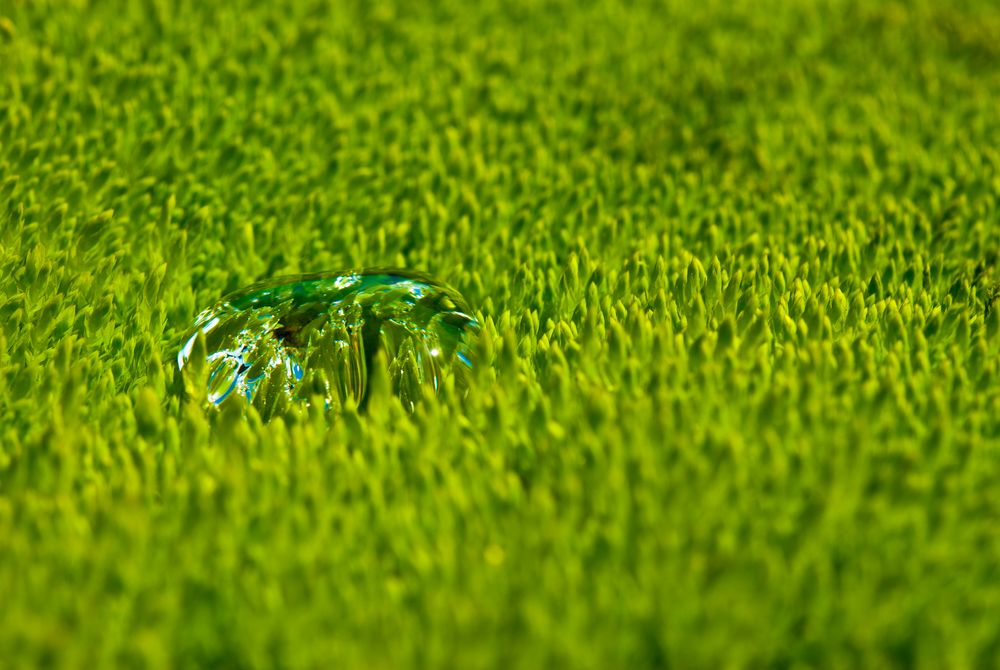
(308, 336)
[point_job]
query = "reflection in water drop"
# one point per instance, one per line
(293, 338)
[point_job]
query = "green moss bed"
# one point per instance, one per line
(737, 402)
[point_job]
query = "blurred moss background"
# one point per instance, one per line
(736, 265)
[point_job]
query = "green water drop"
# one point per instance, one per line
(307, 336)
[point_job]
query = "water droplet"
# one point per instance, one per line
(315, 335)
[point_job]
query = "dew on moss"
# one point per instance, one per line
(317, 336)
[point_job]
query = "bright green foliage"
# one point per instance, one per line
(736, 266)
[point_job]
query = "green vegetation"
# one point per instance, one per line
(737, 268)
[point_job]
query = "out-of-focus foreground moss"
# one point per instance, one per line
(738, 404)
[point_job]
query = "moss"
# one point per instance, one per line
(738, 403)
